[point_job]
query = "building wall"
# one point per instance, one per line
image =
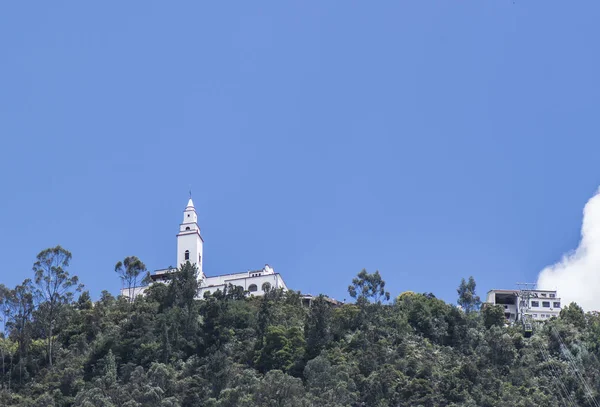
(135, 291)
(193, 242)
(511, 309)
(546, 305)
(543, 306)
(212, 284)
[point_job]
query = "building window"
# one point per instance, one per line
(552, 295)
(546, 304)
(199, 259)
(535, 303)
(187, 254)
(252, 288)
(266, 286)
(535, 315)
(556, 304)
(187, 228)
(543, 295)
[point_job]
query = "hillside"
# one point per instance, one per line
(170, 349)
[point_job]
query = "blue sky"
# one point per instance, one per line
(430, 140)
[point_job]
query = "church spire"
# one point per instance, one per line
(190, 203)
(189, 241)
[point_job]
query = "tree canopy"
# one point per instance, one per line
(169, 348)
(467, 298)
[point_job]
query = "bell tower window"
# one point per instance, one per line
(187, 254)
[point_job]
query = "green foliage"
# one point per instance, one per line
(130, 270)
(318, 327)
(573, 314)
(281, 350)
(366, 286)
(467, 298)
(493, 315)
(168, 348)
(55, 287)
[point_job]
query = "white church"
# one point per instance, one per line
(189, 248)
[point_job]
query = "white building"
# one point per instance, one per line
(540, 305)
(190, 248)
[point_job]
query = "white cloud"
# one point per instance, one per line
(577, 275)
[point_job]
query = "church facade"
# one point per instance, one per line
(190, 249)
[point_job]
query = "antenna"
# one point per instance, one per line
(526, 292)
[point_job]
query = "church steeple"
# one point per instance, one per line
(189, 240)
(189, 214)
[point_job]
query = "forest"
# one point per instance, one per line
(168, 348)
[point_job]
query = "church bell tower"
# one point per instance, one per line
(189, 241)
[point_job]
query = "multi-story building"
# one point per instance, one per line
(190, 249)
(539, 305)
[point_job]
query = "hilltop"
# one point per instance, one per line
(168, 348)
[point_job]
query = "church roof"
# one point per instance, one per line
(190, 204)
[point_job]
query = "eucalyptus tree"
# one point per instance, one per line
(19, 312)
(130, 270)
(55, 287)
(367, 286)
(467, 297)
(4, 313)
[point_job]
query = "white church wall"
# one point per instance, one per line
(212, 284)
(193, 243)
(134, 292)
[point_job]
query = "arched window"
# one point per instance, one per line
(187, 228)
(266, 286)
(252, 288)
(187, 254)
(199, 259)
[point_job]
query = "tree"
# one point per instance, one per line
(573, 314)
(4, 300)
(493, 315)
(84, 301)
(330, 385)
(367, 286)
(277, 389)
(55, 287)
(130, 270)
(19, 311)
(467, 298)
(183, 286)
(282, 349)
(318, 327)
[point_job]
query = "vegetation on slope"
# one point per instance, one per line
(169, 349)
